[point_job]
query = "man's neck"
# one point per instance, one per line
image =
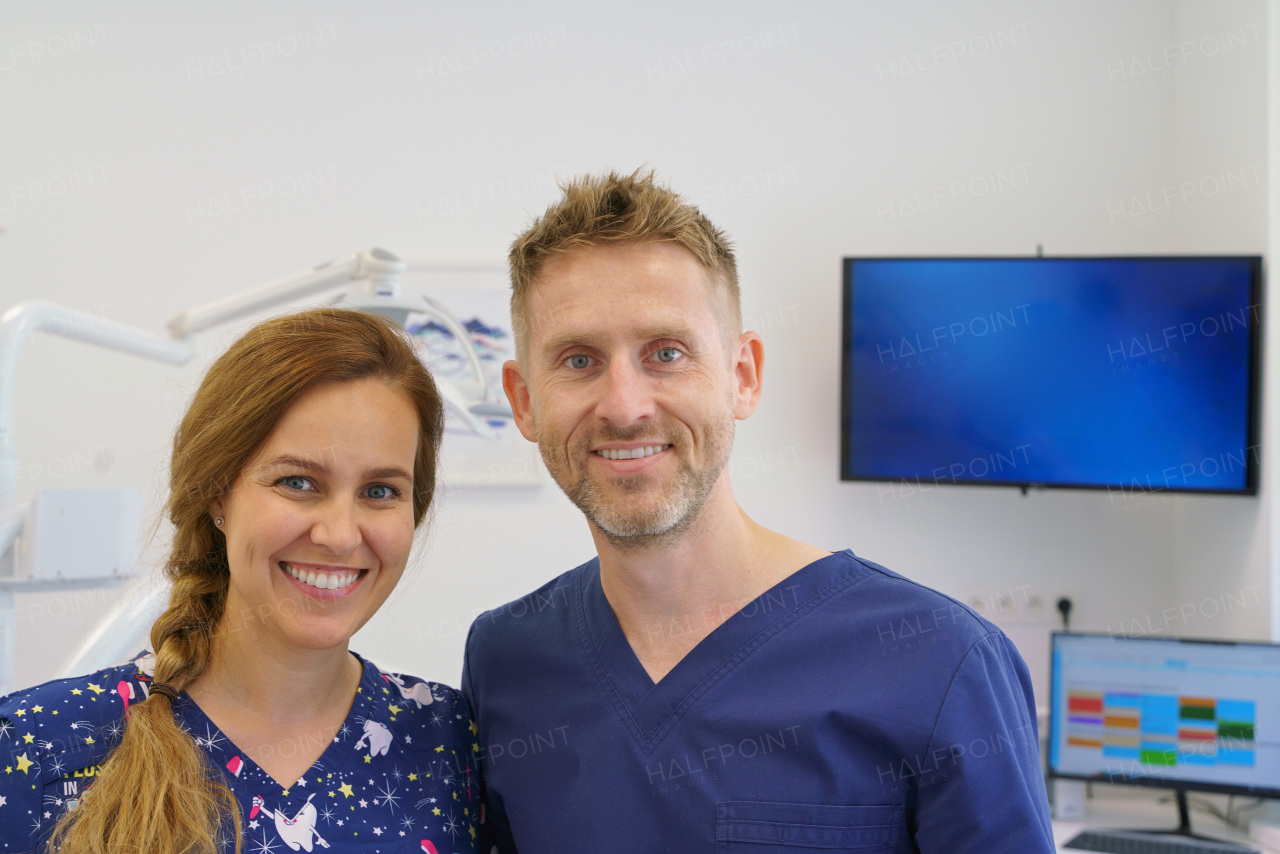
(669, 596)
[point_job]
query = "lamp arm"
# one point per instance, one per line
(440, 313)
(17, 324)
(380, 266)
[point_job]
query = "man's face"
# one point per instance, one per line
(629, 388)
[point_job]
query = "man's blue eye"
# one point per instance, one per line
(666, 354)
(579, 361)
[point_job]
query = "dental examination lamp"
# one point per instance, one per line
(66, 539)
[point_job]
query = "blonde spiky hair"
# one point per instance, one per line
(618, 209)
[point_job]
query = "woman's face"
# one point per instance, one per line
(320, 523)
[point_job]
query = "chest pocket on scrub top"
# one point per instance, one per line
(766, 827)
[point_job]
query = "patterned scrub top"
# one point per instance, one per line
(399, 778)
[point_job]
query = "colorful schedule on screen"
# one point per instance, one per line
(1200, 713)
(1162, 729)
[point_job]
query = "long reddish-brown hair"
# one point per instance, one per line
(157, 792)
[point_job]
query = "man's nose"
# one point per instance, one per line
(626, 395)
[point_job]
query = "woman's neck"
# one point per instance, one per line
(263, 676)
(279, 703)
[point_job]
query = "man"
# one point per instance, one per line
(706, 684)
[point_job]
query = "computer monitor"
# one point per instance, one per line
(1178, 713)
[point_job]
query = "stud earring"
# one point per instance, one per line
(219, 521)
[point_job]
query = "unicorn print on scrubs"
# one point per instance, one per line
(300, 470)
(392, 778)
(378, 737)
(297, 832)
(419, 693)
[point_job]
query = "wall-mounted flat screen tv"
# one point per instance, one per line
(1135, 374)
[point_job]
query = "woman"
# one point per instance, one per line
(300, 472)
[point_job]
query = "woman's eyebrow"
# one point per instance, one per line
(304, 463)
(318, 467)
(388, 472)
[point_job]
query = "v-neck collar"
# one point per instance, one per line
(649, 710)
(245, 775)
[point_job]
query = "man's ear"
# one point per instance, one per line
(748, 374)
(513, 383)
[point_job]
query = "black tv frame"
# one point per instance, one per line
(1253, 462)
(1179, 787)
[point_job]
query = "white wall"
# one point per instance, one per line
(1222, 573)
(809, 131)
(1273, 245)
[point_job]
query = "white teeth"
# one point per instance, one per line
(631, 453)
(323, 580)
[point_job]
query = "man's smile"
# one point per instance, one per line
(630, 453)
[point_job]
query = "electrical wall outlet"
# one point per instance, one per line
(1021, 604)
(1027, 615)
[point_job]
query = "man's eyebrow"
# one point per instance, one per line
(680, 332)
(563, 342)
(677, 331)
(318, 467)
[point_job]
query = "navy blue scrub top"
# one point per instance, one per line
(848, 708)
(398, 778)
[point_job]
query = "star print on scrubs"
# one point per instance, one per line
(400, 776)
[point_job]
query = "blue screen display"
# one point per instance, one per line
(1131, 373)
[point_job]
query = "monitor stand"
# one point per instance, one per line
(1184, 827)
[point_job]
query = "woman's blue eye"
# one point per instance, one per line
(294, 482)
(666, 354)
(383, 490)
(579, 361)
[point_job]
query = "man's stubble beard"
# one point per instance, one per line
(662, 522)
